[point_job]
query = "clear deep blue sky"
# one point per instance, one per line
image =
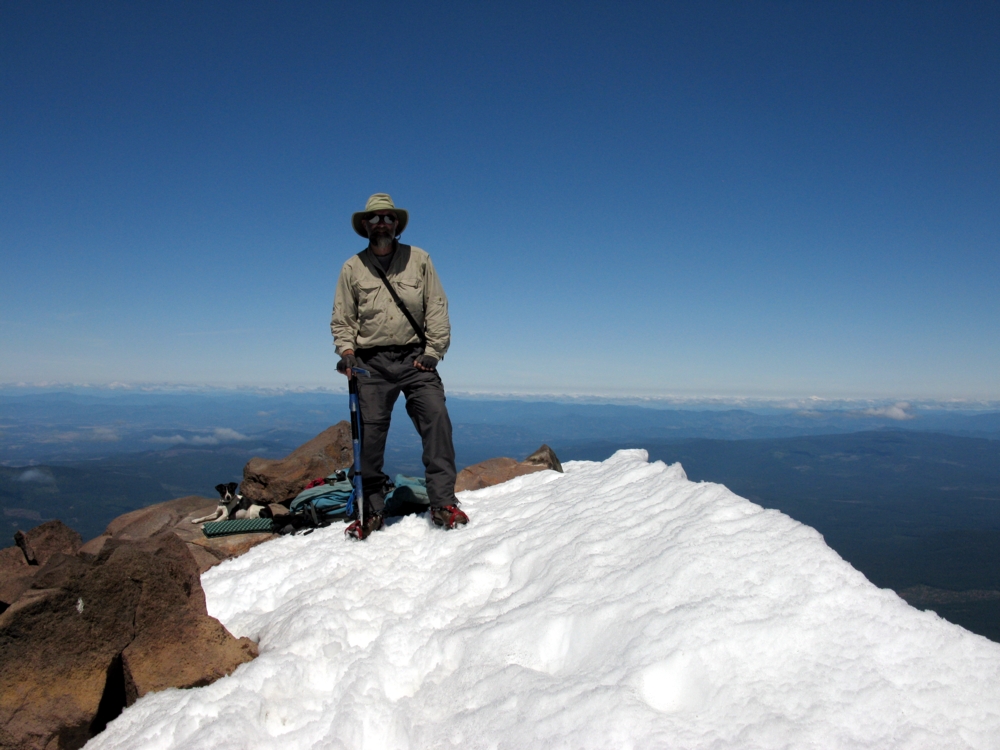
(661, 198)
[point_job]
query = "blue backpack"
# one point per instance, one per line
(334, 501)
(325, 503)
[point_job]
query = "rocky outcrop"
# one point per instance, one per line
(87, 630)
(15, 575)
(20, 564)
(94, 633)
(280, 480)
(145, 522)
(544, 457)
(43, 541)
(175, 516)
(499, 470)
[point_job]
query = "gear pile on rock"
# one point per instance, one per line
(88, 629)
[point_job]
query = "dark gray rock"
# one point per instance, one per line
(544, 457)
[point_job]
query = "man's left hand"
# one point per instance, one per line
(347, 363)
(426, 362)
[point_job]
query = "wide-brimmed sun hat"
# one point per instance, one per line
(379, 202)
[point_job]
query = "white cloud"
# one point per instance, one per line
(900, 410)
(204, 440)
(226, 435)
(91, 435)
(219, 435)
(31, 515)
(37, 475)
(167, 439)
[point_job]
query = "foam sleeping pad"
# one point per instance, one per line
(238, 526)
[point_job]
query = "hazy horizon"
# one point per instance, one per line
(662, 400)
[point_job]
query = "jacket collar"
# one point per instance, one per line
(399, 256)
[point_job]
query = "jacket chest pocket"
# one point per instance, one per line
(368, 306)
(410, 292)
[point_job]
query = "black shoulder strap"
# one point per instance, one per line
(397, 300)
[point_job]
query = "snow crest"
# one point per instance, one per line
(618, 605)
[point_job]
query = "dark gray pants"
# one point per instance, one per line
(392, 373)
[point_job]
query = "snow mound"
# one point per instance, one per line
(618, 605)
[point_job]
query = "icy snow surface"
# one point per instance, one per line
(618, 605)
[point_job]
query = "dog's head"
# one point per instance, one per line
(229, 498)
(227, 492)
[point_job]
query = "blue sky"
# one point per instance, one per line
(767, 199)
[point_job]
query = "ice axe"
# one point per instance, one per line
(358, 495)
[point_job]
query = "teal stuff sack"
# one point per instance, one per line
(409, 496)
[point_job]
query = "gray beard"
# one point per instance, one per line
(381, 242)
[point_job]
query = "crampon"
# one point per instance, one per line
(448, 516)
(359, 530)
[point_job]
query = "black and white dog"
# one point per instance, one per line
(232, 505)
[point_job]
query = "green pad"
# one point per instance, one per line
(238, 526)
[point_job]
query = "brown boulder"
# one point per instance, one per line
(490, 472)
(93, 548)
(499, 470)
(20, 564)
(181, 651)
(15, 575)
(176, 516)
(205, 557)
(280, 480)
(227, 547)
(145, 522)
(100, 634)
(45, 540)
(58, 572)
(52, 676)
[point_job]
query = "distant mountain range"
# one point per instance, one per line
(913, 503)
(62, 426)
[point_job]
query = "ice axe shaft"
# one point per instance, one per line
(352, 390)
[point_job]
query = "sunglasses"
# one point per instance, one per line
(373, 220)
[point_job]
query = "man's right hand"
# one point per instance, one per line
(347, 362)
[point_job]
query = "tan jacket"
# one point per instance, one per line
(365, 315)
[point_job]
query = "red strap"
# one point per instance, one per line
(453, 512)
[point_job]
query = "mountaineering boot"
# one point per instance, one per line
(448, 516)
(373, 522)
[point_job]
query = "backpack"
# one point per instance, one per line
(325, 503)
(334, 501)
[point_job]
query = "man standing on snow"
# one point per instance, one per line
(390, 317)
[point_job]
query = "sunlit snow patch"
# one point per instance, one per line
(616, 605)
